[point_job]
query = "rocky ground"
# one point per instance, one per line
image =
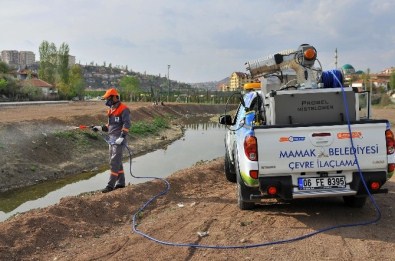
(200, 208)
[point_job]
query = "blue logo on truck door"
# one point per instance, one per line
(291, 139)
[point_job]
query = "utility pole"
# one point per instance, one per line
(368, 83)
(168, 82)
(336, 58)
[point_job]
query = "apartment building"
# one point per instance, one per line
(16, 58)
(10, 57)
(237, 80)
(26, 58)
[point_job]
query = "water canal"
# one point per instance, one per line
(201, 142)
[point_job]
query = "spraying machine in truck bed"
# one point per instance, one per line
(299, 133)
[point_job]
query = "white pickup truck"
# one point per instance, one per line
(304, 140)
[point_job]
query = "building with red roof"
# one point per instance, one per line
(47, 89)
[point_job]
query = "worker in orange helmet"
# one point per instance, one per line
(118, 125)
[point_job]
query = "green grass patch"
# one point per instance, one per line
(82, 138)
(66, 134)
(149, 127)
(91, 135)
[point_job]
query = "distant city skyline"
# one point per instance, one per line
(17, 57)
(73, 61)
(22, 58)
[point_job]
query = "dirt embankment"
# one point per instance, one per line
(97, 226)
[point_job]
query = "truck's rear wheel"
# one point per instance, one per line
(355, 201)
(243, 205)
(243, 191)
(230, 172)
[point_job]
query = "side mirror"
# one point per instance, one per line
(225, 119)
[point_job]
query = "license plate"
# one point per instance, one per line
(321, 183)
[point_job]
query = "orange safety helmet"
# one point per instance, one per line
(252, 86)
(110, 92)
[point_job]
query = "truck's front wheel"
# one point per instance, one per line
(230, 172)
(354, 201)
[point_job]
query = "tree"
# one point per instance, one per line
(4, 68)
(3, 85)
(48, 61)
(63, 63)
(76, 82)
(392, 81)
(3, 82)
(75, 86)
(63, 90)
(54, 68)
(130, 85)
(8, 83)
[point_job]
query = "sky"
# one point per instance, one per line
(202, 40)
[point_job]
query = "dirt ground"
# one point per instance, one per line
(200, 208)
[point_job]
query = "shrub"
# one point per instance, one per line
(149, 127)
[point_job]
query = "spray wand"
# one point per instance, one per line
(105, 137)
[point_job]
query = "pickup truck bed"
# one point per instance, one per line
(319, 160)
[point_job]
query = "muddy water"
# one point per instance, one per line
(201, 142)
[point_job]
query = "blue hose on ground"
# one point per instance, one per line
(289, 240)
